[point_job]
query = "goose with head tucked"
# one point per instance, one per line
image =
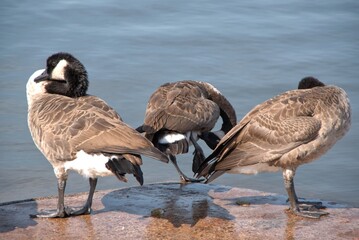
(80, 132)
(179, 113)
(284, 132)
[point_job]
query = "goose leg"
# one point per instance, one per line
(295, 207)
(198, 157)
(86, 209)
(61, 211)
(183, 177)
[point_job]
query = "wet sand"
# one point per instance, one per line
(175, 211)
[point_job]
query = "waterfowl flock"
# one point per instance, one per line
(80, 132)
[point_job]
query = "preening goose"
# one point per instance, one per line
(179, 113)
(80, 132)
(284, 132)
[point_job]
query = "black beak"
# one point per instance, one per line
(44, 76)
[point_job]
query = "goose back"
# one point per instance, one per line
(186, 106)
(61, 126)
(288, 130)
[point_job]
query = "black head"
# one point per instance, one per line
(309, 82)
(65, 75)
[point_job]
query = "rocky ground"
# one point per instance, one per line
(175, 211)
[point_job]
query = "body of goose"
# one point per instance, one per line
(180, 113)
(80, 132)
(282, 133)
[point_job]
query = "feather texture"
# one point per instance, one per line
(179, 113)
(286, 131)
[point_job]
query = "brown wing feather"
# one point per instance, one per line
(87, 124)
(268, 131)
(181, 106)
(267, 141)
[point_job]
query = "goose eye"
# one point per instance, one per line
(51, 65)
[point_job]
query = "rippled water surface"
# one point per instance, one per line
(250, 51)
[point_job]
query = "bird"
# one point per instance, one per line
(179, 113)
(80, 132)
(282, 133)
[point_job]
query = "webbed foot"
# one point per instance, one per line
(185, 179)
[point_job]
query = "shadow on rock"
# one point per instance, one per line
(14, 215)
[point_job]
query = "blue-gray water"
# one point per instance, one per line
(250, 50)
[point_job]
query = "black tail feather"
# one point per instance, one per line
(138, 175)
(207, 167)
(112, 167)
(179, 147)
(198, 159)
(120, 166)
(211, 139)
(175, 148)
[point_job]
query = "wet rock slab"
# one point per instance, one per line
(175, 211)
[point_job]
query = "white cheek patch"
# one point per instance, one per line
(59, 70)
(171, 138)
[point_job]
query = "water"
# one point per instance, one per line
(250, 50)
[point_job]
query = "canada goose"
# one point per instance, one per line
(284, 132)
(80, 132)
(179, 113)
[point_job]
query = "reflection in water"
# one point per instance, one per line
(179, 204)
(60, 225)
(199, 210)
(190, 214)
(66, 227)
(290, 226)
(184, 211)
(294, 224)
(208, 228)
(183, 206)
